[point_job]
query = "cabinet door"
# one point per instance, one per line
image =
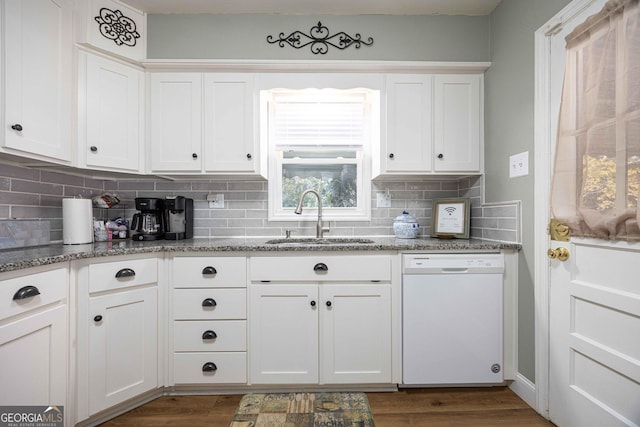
(229, 140)
(409, 135)
(33, 356)
(284, 334)
(38, 77)
(457, 123)
(123, 346)
(356, 333)
(175, 139)
(111, 132)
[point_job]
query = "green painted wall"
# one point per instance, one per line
(509, 129)
(396, 38)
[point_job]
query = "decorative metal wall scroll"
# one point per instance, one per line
(117, 27)
(319, 40)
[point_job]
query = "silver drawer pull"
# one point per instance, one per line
(26, 292)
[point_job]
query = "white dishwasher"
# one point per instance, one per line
(452, 319)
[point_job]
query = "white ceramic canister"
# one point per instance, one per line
(406, 226)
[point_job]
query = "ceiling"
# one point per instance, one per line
(320, 7)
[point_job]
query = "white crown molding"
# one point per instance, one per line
(214, 65)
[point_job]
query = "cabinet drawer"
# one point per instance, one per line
(308, 268)
(209, 272)
(122, 274)
(230, 368)
(51, 285)
(192, 304)
(195, 335)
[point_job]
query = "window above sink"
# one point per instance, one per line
(320, 139)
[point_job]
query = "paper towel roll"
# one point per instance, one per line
(77, 221)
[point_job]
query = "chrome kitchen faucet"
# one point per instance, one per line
(319, 228)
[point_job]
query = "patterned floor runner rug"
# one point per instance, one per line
(303, 410)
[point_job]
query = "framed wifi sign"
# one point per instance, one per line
(450, 219)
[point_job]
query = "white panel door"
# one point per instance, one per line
(175, 130)
(123, 346)
(283, 330)
(409, 139)
(33, 357)
(594, 367)
(355, 334)
(457, 123)
(229, 140)
(38, 76)
(594, 305)
(113, 114)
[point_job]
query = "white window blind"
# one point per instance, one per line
(319, 119)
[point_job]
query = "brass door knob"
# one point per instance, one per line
(561, 254)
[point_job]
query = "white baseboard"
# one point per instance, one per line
(525, 389)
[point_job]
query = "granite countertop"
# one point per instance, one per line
(11, 260)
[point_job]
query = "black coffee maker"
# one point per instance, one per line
(149, 223)
(178, 214)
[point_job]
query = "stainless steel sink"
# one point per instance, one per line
(320, 241)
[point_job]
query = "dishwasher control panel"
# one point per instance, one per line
(481, 263)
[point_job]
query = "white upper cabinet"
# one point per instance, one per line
(175, 128)
(229, 138)
(110, 114)
(409, 130)
(433, 125)
(113, 27)
(457, 123)
(203, 123)
(38, 73)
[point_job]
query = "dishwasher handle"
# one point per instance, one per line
(454, 270)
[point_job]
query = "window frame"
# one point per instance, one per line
(276, 212)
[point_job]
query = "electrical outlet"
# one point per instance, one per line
(216, 201)
(383, 200)
(519, 165)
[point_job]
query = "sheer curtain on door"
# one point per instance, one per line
(596, 180)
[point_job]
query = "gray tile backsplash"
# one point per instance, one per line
(34, 193)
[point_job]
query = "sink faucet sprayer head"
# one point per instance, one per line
(298, 210)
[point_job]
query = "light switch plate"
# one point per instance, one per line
(519, 164)
(383, 200)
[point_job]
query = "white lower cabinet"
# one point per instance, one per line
(117, 333)
(123, 343)
(313, 330)
(209, 327)
(33, 338)
(284, 334)
(355, 333)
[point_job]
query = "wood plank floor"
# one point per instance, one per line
(494, 406)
